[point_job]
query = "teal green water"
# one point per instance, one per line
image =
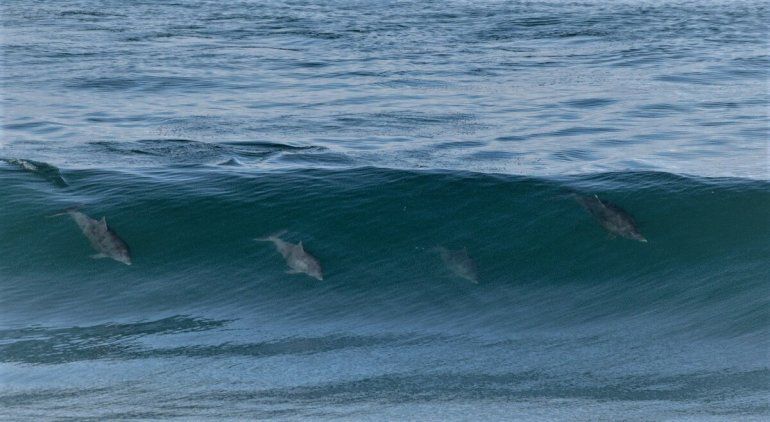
(562, 311)
(378, 133)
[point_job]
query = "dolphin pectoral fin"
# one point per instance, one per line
(99, 256)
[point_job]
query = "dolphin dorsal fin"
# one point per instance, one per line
(103, 222)
(300, 245)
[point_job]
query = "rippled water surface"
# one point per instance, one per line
(378, 133)
(512, 87)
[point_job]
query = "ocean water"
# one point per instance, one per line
(375, 132)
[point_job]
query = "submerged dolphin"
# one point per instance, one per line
(460, 263)
(44, 170)
(613, 218)
(296, 258)
(102, 238)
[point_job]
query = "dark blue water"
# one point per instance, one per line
(374, 132)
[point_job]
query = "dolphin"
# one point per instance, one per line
(231, 162)
(460, 263)
(102, 238)
(296, 258)
(44, 170)
(614, 219)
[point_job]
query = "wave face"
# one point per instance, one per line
(413, 148)
(561, 312)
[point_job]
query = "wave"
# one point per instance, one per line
(541, 258)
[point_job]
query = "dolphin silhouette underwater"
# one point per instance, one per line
(459, 263)
(298, 260)
(103, 239)
(614, 219)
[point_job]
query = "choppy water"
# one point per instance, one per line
(374, 132)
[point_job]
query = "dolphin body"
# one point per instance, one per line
(460, 263)
(44, 170)
(102, 238)
(614, 219)
(298, 260)
(232, 162)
